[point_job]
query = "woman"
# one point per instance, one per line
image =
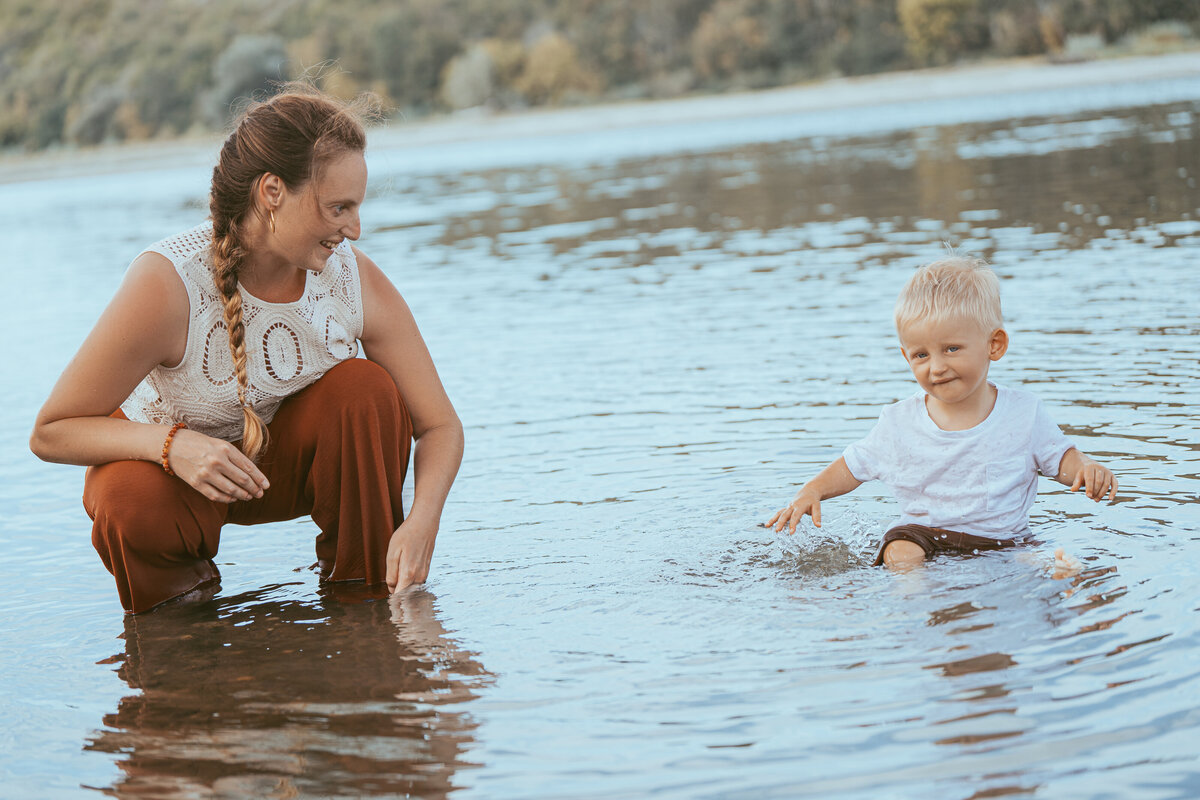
(221, 383)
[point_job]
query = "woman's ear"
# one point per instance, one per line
(269, 190)
(998, 345)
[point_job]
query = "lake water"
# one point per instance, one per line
(653, 336)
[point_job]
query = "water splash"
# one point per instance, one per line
(844, 542)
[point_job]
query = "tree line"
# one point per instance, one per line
(90, 71)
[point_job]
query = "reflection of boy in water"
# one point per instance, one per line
(961, 455)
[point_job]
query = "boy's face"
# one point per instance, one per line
(950, 358)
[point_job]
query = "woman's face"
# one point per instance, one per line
(311, 222)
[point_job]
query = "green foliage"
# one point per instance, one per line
(1116, 18)
(90, 71)
(1021, 28)
(729, 41)
(470, 78)
(868, 38)
(249, 66)
(940, 31)
(552, 71)
(411, 46)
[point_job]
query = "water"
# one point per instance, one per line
(651, 348)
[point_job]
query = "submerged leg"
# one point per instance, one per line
(903, 554)
(154, 533)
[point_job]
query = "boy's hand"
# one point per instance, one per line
(806, 502)
(833, 481)
(1096, 480)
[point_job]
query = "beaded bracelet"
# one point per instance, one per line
(167, 446)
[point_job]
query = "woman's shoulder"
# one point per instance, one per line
(184, 247)
(154, 299)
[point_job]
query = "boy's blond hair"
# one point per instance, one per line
(957, 286)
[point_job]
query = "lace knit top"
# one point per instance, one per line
(288, 345)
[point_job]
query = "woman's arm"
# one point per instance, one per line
(145, 325)
(391, 339)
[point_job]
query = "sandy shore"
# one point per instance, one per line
(974, 81)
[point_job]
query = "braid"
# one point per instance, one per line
(227, 256)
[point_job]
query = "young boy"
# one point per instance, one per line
(962, 455)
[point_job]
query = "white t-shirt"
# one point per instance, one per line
(982, 480)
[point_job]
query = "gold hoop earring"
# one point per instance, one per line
(271, 212)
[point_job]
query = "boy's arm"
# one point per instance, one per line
(834, 480)
(1077, 470)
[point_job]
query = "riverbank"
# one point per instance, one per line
(946, 84)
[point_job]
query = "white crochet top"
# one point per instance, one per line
(288, 345)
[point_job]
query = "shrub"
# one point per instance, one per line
(727, 42)
(249, 64)
(469, 78)
(93, 122)
(552, 69)
(940, 31)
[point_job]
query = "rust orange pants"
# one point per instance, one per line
(338, 451)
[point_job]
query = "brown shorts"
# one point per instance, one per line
(939, 540)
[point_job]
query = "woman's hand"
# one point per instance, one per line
(409, 553)
(215, 468)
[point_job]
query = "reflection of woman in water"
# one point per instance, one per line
(254, 697)
(221, 384)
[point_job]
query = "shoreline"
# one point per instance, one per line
(993, 78)
(935, 83)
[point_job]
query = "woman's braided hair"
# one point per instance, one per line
(291, 135)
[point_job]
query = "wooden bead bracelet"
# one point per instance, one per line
(167, 446)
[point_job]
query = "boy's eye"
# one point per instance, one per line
(952, 348)
(919, 355)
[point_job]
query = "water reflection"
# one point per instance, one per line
(250, 696)
(1029, 183)
(995, 694)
